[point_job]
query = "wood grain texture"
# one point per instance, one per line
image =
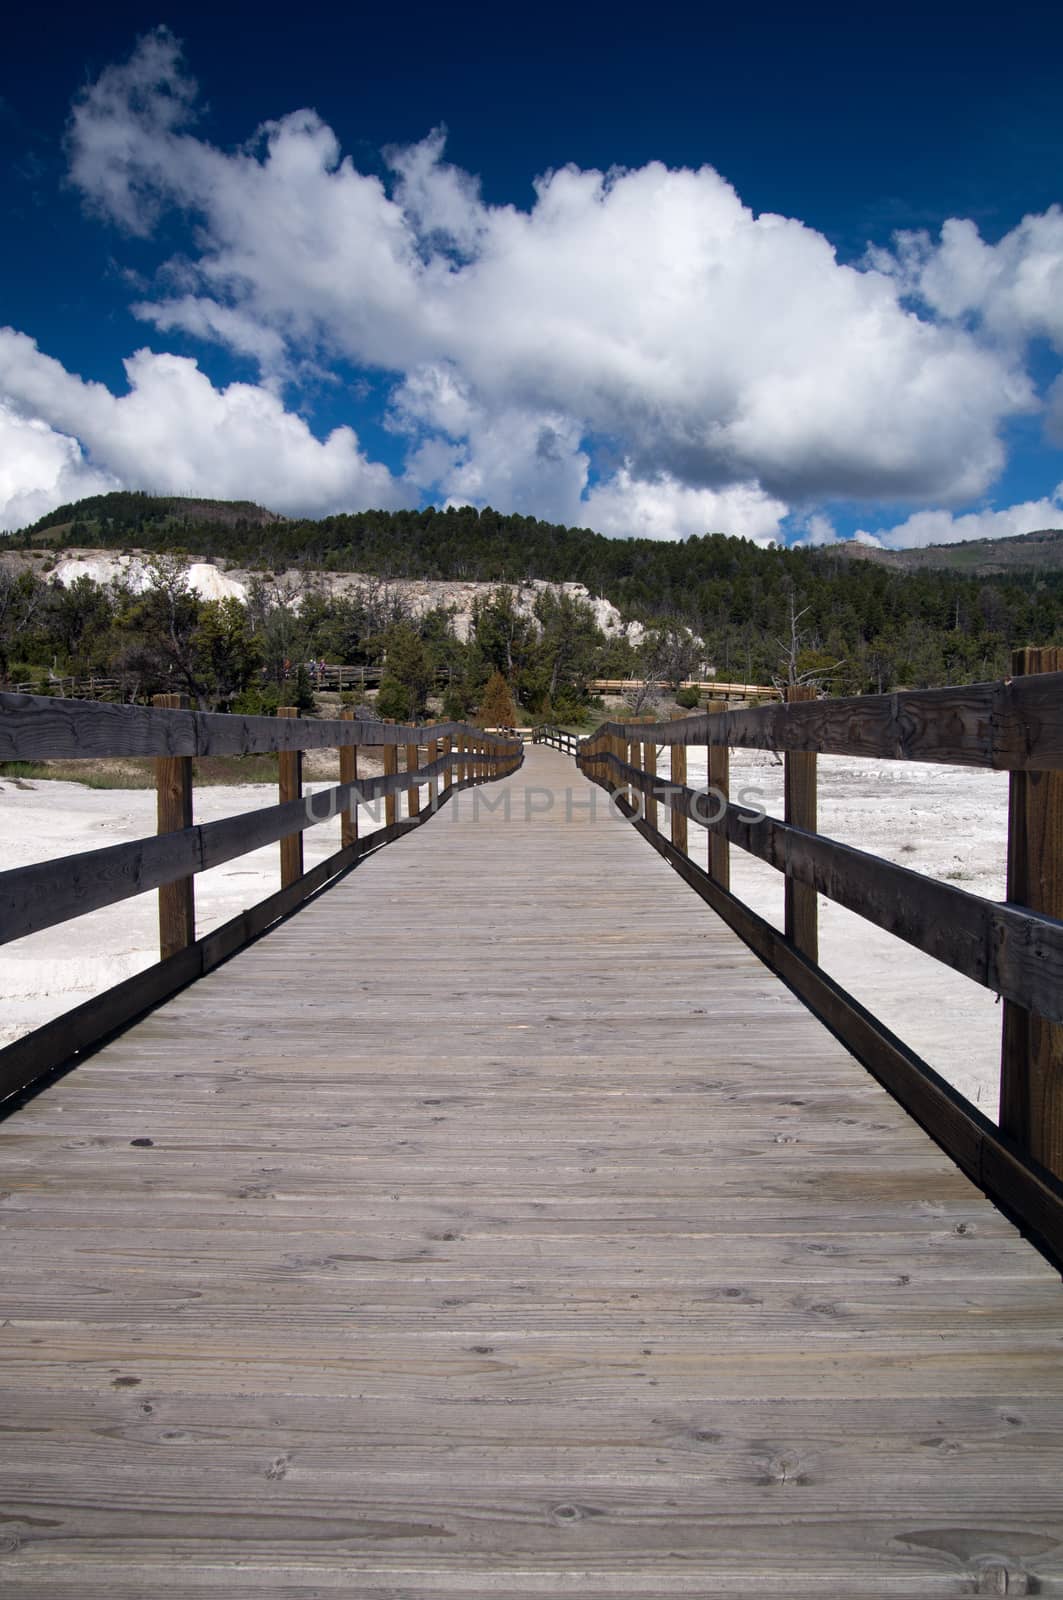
(49, 892)
(718, 772)
(1015, 725)
(413, 793)
(506, 1255)
(290, 793)
(649, 765)
(348, 774)
(1031, 1081)
(800, 811)
(678, 780)
(1006, 948)
(173, 791)
(38, 727)
(997, 1162)
(57, 1043)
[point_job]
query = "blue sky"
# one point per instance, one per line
(789, 274)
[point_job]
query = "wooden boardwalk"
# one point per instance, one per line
(499, 1226)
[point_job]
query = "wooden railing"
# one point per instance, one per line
(43, 894)
(546, 733)
(99, 687)
(90, 688)
(1014, 948)
(707, 686)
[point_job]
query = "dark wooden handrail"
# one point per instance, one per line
(44, 894)
(1014, 948)
(1009, 949)
(1014, 724)
(39, 728)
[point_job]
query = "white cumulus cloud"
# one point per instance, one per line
(663, 508)
(647, 315)
(40, 469)
(1014, 288)
(942, 527)
(175, 433)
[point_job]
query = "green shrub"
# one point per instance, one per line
(689, 699)
(455, 704)
(259, 700)
(393, 700)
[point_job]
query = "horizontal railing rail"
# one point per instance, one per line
(1014, 724)
(46, 893)
(51, 684)
(1015, 952)
(38, 728)
(707, 686)
(557, 738)
(1013, 947)
(43, 894)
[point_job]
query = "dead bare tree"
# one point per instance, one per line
(789, 674)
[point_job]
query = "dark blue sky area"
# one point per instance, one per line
(859, 121)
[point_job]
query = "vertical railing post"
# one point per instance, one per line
(1031, 1060)
(632, 753)
(348, 774)
(391, 767)
(413, 794)
(448, 751)
(291, 788)
(719, 778)
(678, 769)
(799, 792)
(649, 764)
(431, 755)
(173, 810)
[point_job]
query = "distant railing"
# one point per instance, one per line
(40, 895)
(707, 686)
(546, 733)
(320, 675)
(90, 688)
(1014, 948)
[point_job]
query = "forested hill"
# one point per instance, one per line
(883, 624)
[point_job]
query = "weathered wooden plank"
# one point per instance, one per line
(558, 1254)
(987, 1155)
(348, 775)
(56, 1043)
(37, 727)
(718, 774)
(1014, 725)
(173, 786)
(800, 802)
(49, 892)
(290, 794)
(413, 793)
(649, 765)
(391, 767)
(1031, 1065)
(677, 783)
(1009, 949)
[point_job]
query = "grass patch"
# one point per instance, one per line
(136, 772)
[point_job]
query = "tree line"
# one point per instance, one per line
(864, 627)
(252, 655)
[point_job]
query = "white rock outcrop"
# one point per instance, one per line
(213, 582)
